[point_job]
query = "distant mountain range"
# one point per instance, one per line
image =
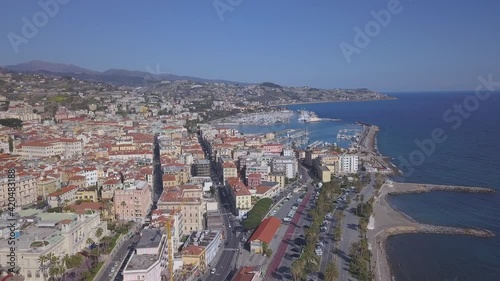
(112, 76)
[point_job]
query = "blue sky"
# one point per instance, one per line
(429, 45)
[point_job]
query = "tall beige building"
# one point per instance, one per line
(187, 198)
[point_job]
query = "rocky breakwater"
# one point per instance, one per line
(389, 222)
(411, 188)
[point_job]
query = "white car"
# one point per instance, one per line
(213, 270)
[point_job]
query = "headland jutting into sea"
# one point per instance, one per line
(386, 221)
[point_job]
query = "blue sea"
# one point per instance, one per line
(470, 155)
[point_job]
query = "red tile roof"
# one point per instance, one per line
(246, 273)
(262, 189)
(168, 178)
(63, 190)
(266, 230)
(192, 250)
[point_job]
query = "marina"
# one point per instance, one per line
(291, 128)
(309, 116)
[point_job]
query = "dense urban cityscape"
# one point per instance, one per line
(135, 183)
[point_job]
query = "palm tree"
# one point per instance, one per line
(57, 267)
(331, 272)
(65, 204)
(123, 210)
(98, 234)
(42, 265)
(66, 260)
(71, 262)
(297, 269)
(90, 241)
(105, 241)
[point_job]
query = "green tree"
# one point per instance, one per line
(98, 234)
(72, 262)
(331, 271)
(269, 252)
(43, 261)
(123, 204)
(12, 123)
(298, 269)
(257, 213)
(11, 145)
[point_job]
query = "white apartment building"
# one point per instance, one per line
(285, 165)
(65, 195)
(150, 259)
(210, 241)
(44, 233)
(288, 152)
(348, 163)
(258, 168)
(66, 148)
(90, 175)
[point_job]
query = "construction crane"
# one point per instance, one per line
(168, 228)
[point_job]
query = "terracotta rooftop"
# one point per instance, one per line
(246, 273)
(63, 190)
(192, 250)
(266, 230)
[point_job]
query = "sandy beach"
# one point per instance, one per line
(386, 222)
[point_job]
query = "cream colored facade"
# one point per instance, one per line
(244, 201)
(189, 200)
(63, 196)
(47, 186)
(65, 233)
(86, 195)
(280, 179)
(26, 191)
(230, 172)
(66, 148)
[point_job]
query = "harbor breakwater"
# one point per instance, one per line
(389, 222)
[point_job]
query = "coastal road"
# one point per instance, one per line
(350, 231)
(280, 267)
(296, 242)
(328, 240)
(273, 271)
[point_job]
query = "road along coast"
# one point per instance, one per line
(369, 151)
(386, 222)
